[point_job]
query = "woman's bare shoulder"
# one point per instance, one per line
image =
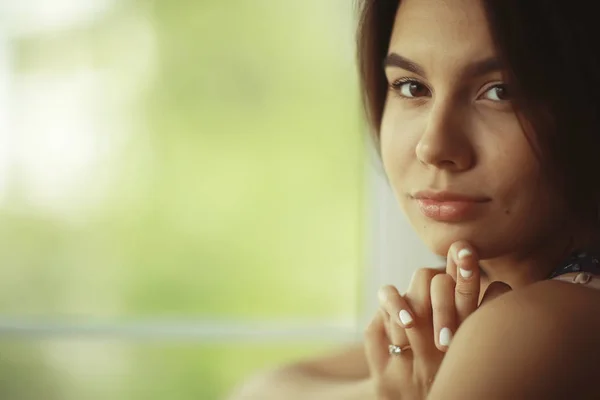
(541, 341)
(555, 296)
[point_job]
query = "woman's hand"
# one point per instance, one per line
(425, 319)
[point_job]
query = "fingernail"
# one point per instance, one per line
(405, 317)
(463, 253)
(445, 336)
(465, 273)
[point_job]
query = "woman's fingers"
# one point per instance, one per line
(463, 265)
(398, 314)
(418, 298)
(376, 343)
(444, 311)
(396, 306)
(435, 304)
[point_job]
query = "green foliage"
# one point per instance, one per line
(232, 190)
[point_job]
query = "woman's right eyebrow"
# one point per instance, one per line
(396, 60)
(476, 68)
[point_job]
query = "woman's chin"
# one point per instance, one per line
(439, 240)
(486, 246)
(439, 246)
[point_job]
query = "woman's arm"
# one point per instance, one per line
(340, 375)
(537, 342)
(349, 363)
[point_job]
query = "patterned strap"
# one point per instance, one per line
(579, 262)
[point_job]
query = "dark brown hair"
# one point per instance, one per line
(551, 53)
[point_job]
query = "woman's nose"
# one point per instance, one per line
(444, 142)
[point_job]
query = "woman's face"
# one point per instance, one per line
(452, 147)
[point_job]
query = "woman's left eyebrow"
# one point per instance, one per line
(482, 67)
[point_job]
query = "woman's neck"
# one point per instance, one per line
(523, 269)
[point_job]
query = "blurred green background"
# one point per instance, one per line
(176, 160)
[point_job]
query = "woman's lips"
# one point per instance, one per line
(446, 211)
(448, 207)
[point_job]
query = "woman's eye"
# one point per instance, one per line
(497, 93)
(410, 89)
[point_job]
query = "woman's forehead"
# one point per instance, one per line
(439, 22)
(441, 33)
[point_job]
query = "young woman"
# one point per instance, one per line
(486, 115)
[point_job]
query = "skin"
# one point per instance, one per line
(547, 350)
(438, 301)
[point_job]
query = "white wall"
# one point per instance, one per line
(395, 250)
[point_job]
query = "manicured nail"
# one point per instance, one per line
(463, 253)
(405, 317)
(465, 273)
(445, 336)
